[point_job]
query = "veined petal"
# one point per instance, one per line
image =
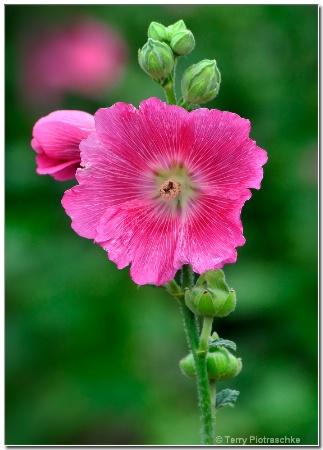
(210, 232)
(105, 181)
(80, 119)
(143, 235)
(59, 140)
(59, 170)
(222, 155)
(153, 136)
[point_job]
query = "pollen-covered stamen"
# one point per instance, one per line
(170, 189)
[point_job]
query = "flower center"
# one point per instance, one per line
(174, 186)
(170, 189)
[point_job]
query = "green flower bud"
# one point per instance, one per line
(211, 296)
(187, 366)
(156, 58)
(183, 42)
(221, 365)
(177, 26)
(158, 32)
(201, 82)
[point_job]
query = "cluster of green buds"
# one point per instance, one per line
(158, 58)
(211, 296)
(158, 55)
(177, 36)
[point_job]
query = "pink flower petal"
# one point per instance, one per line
(139, 233)
(59, 137)
(86, 203)
(79, 119)
(60, 171)
(154, 136)
(209, 234)
(222, 156)
(36, 146)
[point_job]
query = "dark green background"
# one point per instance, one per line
(93, 359)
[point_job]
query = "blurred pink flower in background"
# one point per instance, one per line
(84, 57)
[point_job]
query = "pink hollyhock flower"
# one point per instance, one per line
(56, 139)
(161, 187)
(85, 57)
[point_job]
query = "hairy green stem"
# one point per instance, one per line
(203, 388)
(170, 93)
(187, 277)
(190, 327)
(198, 348)
(213, 403)
(213, 397)
(204, 394)
(169, 86)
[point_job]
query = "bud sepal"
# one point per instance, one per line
(177, 26)
(182, 42)
(158, 32)
(222, 365)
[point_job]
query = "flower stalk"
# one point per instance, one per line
(169, 86)
(204, 394)
(213, 399)
(198, 349)
(206, 332)
(170, 93)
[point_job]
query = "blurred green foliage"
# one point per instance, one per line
(91, 358)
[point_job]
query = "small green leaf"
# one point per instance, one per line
(223, 343)
(227, 397)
